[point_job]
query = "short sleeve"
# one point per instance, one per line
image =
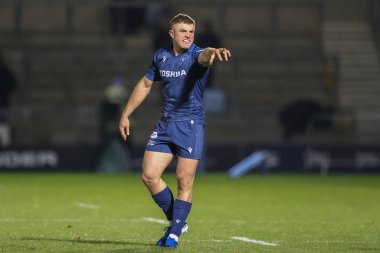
(197, 52)
(152, 73)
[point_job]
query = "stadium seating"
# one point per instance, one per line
(65, 60)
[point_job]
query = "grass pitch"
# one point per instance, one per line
(114, 213)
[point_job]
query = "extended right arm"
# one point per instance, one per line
(138, 95)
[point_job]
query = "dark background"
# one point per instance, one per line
(303, 83)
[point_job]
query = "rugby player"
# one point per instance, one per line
(182, 69)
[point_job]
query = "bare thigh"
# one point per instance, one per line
(185, 172)
(154, 164)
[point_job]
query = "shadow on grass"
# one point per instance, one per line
(143, 247)
(146, 250)
(137, 247)
(86, 241)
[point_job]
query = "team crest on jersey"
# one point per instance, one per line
(169, 73)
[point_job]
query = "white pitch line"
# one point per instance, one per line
(245, 239)
(86, 205)
(150, 219)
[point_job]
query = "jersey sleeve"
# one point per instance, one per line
(197, 52)
(152, 73)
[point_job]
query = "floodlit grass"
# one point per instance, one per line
(105, 213)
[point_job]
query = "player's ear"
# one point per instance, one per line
(171, 33)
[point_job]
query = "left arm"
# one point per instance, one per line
(207, 57)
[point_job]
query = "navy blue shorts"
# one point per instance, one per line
(181, 138)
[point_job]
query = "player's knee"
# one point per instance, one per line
(185, 177)
(185, 182)
(149, 179)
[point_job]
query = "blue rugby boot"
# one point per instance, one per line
(171, 241)
(163, 239)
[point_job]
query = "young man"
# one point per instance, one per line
(183, 69)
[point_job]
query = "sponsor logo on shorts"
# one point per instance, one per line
(153, 135)
(190, 149)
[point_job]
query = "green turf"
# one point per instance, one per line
(300, 213)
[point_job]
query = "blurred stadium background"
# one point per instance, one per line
(303, 83)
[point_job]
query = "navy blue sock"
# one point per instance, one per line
(165, 201)
(181, 210)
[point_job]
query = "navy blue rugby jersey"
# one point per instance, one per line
(183, 80)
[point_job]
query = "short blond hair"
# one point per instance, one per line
(182, 18)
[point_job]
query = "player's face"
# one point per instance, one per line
(182, 35)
